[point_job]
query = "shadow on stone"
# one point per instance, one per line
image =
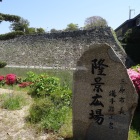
(68, 139)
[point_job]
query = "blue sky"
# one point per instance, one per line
(57, 14)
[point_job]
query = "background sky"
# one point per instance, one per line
(57, 14)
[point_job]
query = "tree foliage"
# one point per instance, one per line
(21, 25)
(2, 64)
(33, 30)
(10, 18)
(72, 27)
(40, 30)
(30, 30)
(132, 35)
(95, 21)
(11, 35)
(53, 30)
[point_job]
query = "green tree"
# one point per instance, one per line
(30, 30)
(1, 18)
(53, 30)
(10, 18)
(72, 27)
(21, 25)
(95, 21)
(33, 30)
(40, 30)
(132, 35)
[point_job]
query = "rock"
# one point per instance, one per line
(104, 98)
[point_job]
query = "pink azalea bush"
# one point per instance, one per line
(10, 79)
(2, 78)
(134, 75)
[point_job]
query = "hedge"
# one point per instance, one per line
(11, 35)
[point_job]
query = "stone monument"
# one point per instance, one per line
(104, 98)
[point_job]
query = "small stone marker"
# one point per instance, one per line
(104, 98)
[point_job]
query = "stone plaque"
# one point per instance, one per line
(104, 98)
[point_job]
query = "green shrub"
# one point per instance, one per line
(51, 102)
(2, 83)
(12, 102)
(39, 108)
(132, 35)
(65, 130)
(31, 77)
(2, 64)
(43, 85)
(49, 115)
(55, 118)
(62, 96)
(11, 35)
(46, 86)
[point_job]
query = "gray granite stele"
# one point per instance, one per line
(104, 98)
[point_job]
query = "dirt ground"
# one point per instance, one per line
(13, 126)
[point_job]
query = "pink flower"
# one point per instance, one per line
(11, 79)
(135, 77)
(138, 69)
(1, 78)
(25, 84)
